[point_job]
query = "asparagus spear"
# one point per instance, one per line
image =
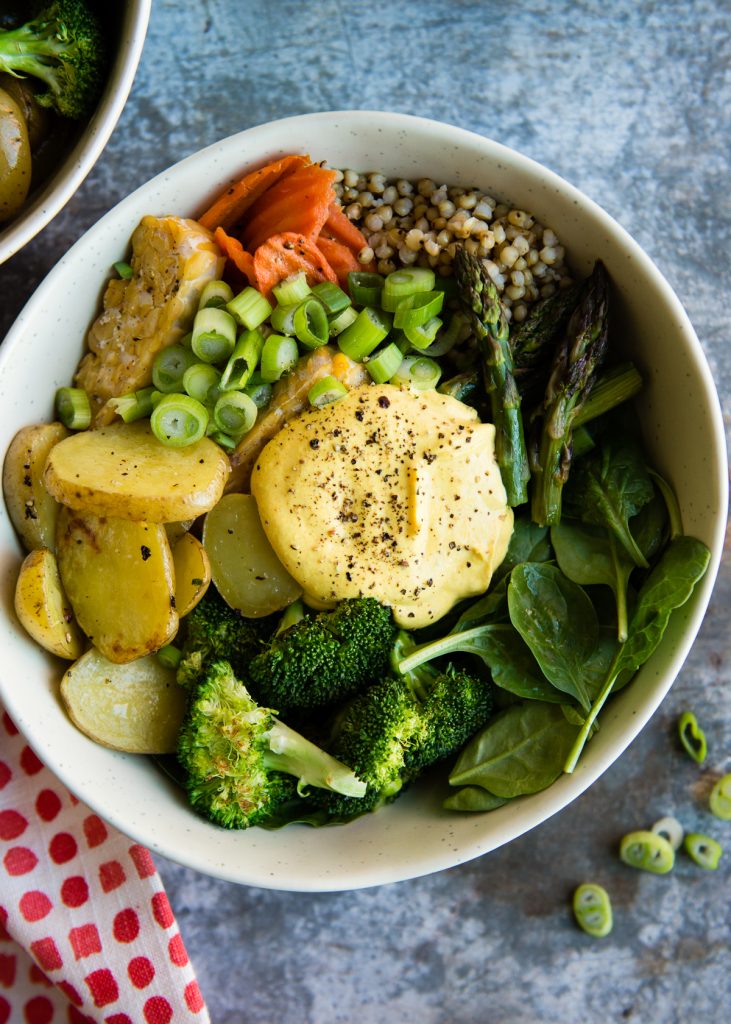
(480, 299)
(534, 341)
(573, 373)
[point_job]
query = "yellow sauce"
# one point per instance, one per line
(388, 493)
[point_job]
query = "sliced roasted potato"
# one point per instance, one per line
(120, 580)
(192, 572)
(31, 508)
(244, 567)
(123, 470)
(137, 707)
(42, 607)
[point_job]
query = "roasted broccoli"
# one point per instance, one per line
(241, 763)
(64, 47)
(394, 730)
(324, 659)
(215, 630)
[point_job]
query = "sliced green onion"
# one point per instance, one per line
(647, 851)
(425, 305)
(692, 736)
(234, 413)
(291, 615)
(418, 372)
(671, 829)
(719, 801)
(424, 334)
(393, 302)
(384, 363)
(155, 398)
(225, 440)
(198, 380)
(704, 850)
(325, 391)
(279, 356)
(365, 287)
(215, 293)
(457, 330)
(124, 270)
(73, 408)
(169, 366)
(170, 656)
(593, 909)
(179, 420)
(136, 405)
(333, 298)
(249, 308)
(409, 281)
(367, 331)
(282, 319)
(342, 320)
(258, 391)
(243, 361)
(186, 339)
(310, 324)
(292, 289)
(214, 335)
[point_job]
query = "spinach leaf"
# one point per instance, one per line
(512, 665)
(557, 621)
(608, 487)
(473, 798)
(529, 542)
(522, 750)
(492, 607)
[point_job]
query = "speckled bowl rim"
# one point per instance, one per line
(413, 837)
(62, 185)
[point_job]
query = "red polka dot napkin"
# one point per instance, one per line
(86, 930)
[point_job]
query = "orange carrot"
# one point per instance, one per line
(234, 250)
(287, 253)
(339, 226)
(342, 259)
(299, 203)
(231, 205)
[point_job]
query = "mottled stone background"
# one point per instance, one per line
(631, 102)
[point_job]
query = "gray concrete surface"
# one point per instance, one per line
(631, 102)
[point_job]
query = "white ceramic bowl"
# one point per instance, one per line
(127, 29)
(683, 427)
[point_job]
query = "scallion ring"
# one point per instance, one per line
(214, 335)
(341, 320)
(593, 909)
(198, 380)
(179, 420)
(422, 335)
(170, 656)
(73, 408)
(169, 366)
(692, 737)
(418, 372)
(671, 829)
(365, 287)
(136, 405)
(124, 270)
(258, 391)
(704, 850)
(384, 363)
(249, 308)
(425, 306)
(243, 361)
(719, 801)
(310, 324)
(647, 851)
(326, 390)
(333, 298)
(292, 289)
(365, 333)
(279, 356)
(409, 281)
(215, 293)
(234, 413)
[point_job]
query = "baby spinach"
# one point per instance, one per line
(522, 750)
(529, 542)
(473, 798)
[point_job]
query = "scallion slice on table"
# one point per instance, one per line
(179, 420)
(671, 829)
(214, 335)
(648, 851)
(249, 308)
(384, 363)
(215, 293)
(169, 366)
(234, 413)
(704, 850)
(328, 389)
(719, 801)
(333, 298)
(418, 372)
(279, 356)
(423, 307)
(593, 909)
(292, 289)
(692, 737)
(73, 408)
(365, 333)
(136, 405)
(198, 380)
(310, 323)
(243, 361)
(365, 287)
(341, 320)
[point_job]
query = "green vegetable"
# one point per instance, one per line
(704, 850)
(278, 356)
(482, 304)
(720, 799)
(593, 909)
(73, 408)
(671, 829)
(326, 390)
(648, 851)
(612, 388)
(692, 737)
(333, 298)
(384, 363)
(534, 340)
(169, 366)
(243, 360)
(249, 308)
(179, 420)
(310, 324)
(417, 372)
(215, 293)
(124, 270)
(473, 798)
(238, 756)
(419, 310)
(199, 379)
(234, 413)
(405, 283)
(136, 405)
(365, 287)
(364, 334)
(170, 656)
(64, 47)
(214, 334)
(292, 289)
(341, 320)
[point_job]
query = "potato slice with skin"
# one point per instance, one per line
(137, 707)
(120, 581)
(42, 607)
(245, 570)
(192, 573)
(123, 470)
(32, 510)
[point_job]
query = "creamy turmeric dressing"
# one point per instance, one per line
(388, 493)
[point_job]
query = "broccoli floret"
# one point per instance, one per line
(242, 764)
(215, 630)
(389, 734)
(64, 47)
(324, 659)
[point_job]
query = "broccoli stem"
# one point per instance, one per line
(290, 752)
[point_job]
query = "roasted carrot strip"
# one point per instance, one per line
(299, 202)
(342, 259)
(234, 250)
(339, 226)
(232, 204)
(285, 254)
